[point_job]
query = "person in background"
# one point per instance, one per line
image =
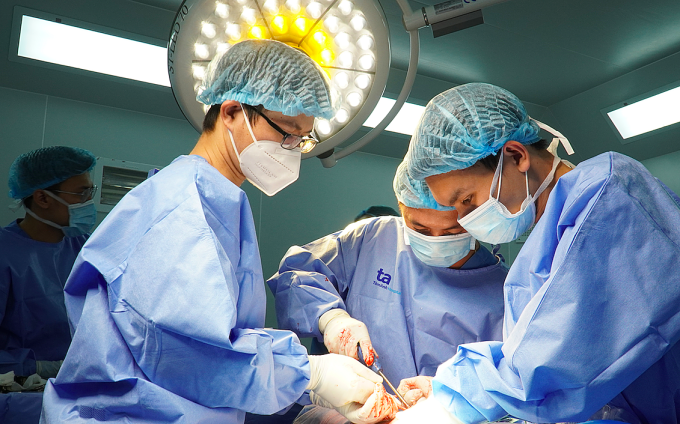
(37, 252)
(408, 290)
(592, 301)
(167, 299)
(373, 211)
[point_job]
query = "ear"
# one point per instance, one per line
(229, 111)
(519, 154)
(41, 199)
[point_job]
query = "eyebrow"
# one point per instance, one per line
(291, 124)
(456, 194)
(418, 224)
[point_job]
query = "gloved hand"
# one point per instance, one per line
(379, 406)
(341, 333)
(47, 369)
(427, 411)
(415, 389)
(340, 380)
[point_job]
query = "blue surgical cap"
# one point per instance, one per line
(465, 124)
(414, 193)
(271, 74)
(45, 167)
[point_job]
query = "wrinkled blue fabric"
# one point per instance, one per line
(33, 322)
(20, 408)
(592, 309)
(166, 301)
(416, 315)
(271, 74)
(465, 124)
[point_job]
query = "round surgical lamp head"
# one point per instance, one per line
(349, 39)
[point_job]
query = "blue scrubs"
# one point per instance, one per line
(33, 322)
(592, 309)
(166, 300)
(416, 314)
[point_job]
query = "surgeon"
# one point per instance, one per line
(54, 187)
(37, 252)
(407, 290)
(166, 300)
(592, 302)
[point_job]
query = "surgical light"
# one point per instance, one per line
(640, 116)
(328, 31)
(349, 39)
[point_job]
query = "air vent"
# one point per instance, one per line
(117, 182)
(115, 179)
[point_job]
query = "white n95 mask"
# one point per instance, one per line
(439, 251)
(493, 223)
(267, 165)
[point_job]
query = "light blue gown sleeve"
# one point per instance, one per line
(188, 300)
(314, 279)
(591, 304)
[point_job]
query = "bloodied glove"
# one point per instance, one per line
(341, 333)
(380, 406)
(415, 389)
(340, 380)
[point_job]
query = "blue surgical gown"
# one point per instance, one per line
(166, 301)
(416, 314)
(592, 309)
(33, 322)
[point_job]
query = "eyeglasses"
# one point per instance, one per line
(85, 195)
(291, 141)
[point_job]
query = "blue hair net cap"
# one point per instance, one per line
(414, 193)
(45, 167)
(465, 124)
(271, 74)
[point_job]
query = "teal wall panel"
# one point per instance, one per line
(21, 120)
(320, 202)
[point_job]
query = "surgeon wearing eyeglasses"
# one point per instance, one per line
(167, 299)
(592, 301)
(54, 187)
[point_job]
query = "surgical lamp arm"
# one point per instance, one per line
(405, 91)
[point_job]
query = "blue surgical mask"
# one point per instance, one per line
(81, 217)
(493, 223)
(439, 251)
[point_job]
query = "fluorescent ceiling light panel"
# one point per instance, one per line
(647, 115)
(67, 45)
(404, 123)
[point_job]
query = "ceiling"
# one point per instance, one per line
(567, 60)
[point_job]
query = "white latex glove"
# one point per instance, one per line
(427, 411)
(341, 380)
(341, 333)
(379, 406)
(415, 389)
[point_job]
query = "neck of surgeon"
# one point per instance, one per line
(541, 162)
(215, 146)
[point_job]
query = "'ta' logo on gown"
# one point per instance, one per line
(384, 277)
(383, 281)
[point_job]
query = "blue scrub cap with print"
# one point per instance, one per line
(465, 124)
(414, 193)
(268, 73)
(45, 167)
